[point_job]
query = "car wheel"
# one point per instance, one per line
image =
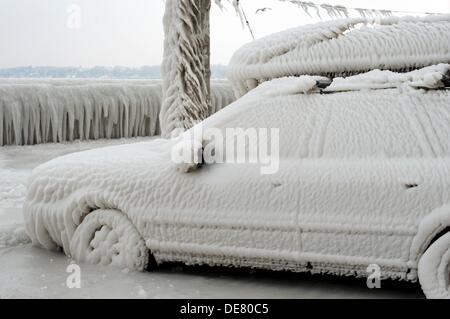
(108, 237)
(434, 269)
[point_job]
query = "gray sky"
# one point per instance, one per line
(130, 33)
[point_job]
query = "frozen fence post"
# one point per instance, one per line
(186, 65)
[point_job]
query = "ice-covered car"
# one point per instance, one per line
(363, 178)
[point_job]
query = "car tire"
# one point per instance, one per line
(108, 237)
(434, 269)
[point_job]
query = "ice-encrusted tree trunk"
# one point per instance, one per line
(186, 65)
(186, 62)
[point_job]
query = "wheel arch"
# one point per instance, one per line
(430, 229)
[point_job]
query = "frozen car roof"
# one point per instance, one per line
(342, 47)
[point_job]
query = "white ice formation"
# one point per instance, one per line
(13, 235)
(33, 112)
(342, 47)
(364, 170)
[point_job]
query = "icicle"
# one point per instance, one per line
(239, 12)
(342, 11)
(315, 7)
(372, 13)
(305, 6)
(361, 12)
(386, 13)
(331, 11)
(236, 6)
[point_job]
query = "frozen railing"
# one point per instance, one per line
(44, 111)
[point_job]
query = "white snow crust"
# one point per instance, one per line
(43, 111)
(345, 46)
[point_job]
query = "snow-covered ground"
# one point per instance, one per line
(29, 272)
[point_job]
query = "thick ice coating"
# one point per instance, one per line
(359, 171)
(342, 47)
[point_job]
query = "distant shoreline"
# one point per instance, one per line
(97, 72)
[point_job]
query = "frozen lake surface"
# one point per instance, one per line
(30, 272)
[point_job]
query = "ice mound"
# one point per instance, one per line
(33, 112)
(13, 235)
(342, 47)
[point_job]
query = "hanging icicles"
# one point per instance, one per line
(336, 11)
(342, 11)
(236, 6)
(311, 9)
(239, 12)
(306, 6)
(333, 11)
